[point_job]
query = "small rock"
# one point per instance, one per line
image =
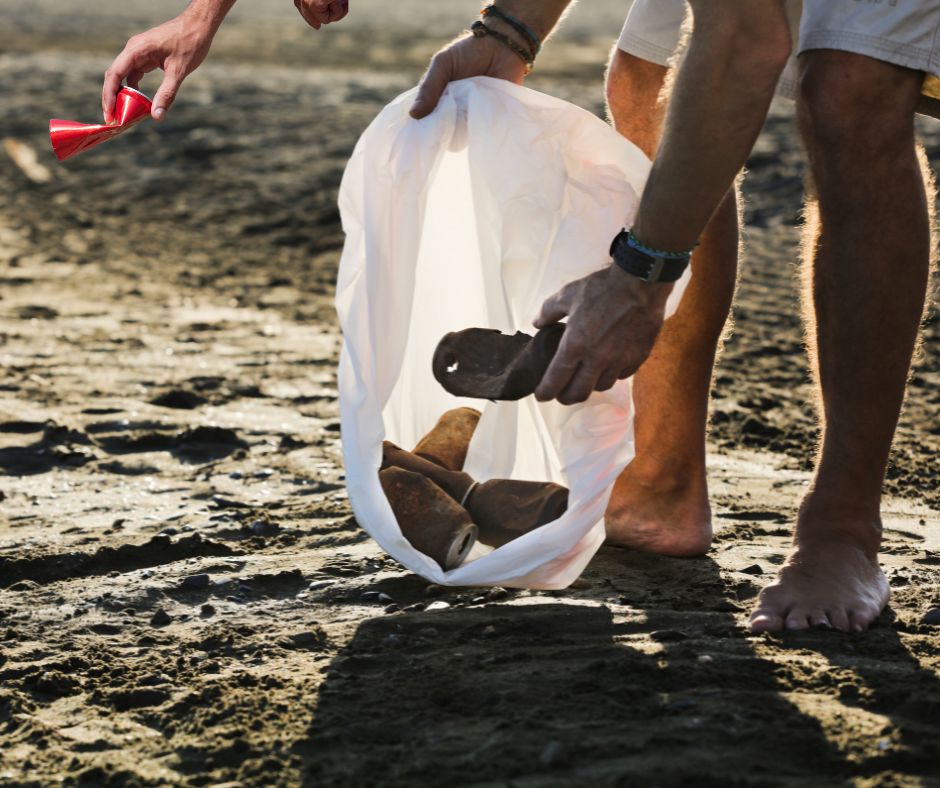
(440, 604)
(370, 596)
(753, 569)
(264, 473)
(417, 607)
(385, 598)
(497, 593)
(179, 399)
(196, 581)
(160, 619)
(392, 641)
(931, 617)
(478, 600)
(392, 608)
(706, 658)
(316, 585)
(433, 590)
(551, 754)
(668, 635)
(236, 475)
(680, 705)
(207, 610)
(488, 632)
(264, 528)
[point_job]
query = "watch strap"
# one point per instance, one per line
(646, 265)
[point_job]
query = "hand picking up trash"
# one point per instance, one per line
(459, 227)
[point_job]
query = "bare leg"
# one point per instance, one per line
(869, 254)
(660, 502)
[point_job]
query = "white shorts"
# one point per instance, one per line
(903, 32)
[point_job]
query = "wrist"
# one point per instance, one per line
(645, 263)
(651, 296)
(540, 15)
(208, 14)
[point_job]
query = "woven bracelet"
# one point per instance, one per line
(480, 30)
(518, 25)
(635, 243)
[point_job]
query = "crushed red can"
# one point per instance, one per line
(70, 137)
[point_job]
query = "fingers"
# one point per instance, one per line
(607, 381)
(581, 386)
(432, 86)
(112, 83)
(338, 9)
(166, 95)
(322, 12)
(555, 308)
(311, 17)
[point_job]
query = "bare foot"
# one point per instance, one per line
(829, 580)
(659, 513)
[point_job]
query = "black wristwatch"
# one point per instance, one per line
(650, 265)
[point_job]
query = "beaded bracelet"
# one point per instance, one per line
(517, 24)
(635, 243)
(480, 30)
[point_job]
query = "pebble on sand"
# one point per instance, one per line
(196, 581)
(161, 618)
(931, 617)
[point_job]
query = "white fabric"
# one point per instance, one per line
(653, 30)
(903, 32)
(471, 218)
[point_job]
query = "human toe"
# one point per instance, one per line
(766, 621)
(819, 619)
(798, 619)
(860, 620)
(839, 619)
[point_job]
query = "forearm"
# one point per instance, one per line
(209, 12)
(722, 93)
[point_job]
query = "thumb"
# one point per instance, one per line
(438, 75)
(166, 95)
(554, 309)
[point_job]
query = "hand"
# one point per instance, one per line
(613, 321)
(464, 58)
(177, 46)
(322, 12)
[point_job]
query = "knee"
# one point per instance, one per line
(854, 105)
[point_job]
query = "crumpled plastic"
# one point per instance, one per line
(472, 217)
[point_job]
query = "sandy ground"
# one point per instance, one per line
(185, 596)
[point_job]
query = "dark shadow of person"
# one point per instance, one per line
(892, 671)
(644, 677)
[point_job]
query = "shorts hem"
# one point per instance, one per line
(897, 53)
(641, 48)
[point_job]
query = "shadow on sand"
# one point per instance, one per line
(644, 678)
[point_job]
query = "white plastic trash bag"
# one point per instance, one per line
(471, 217)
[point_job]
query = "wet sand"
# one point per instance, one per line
(185, 595)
